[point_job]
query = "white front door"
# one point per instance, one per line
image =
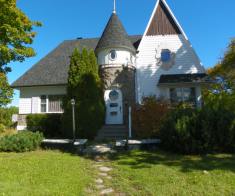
(114, 107)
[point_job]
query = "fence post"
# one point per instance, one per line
(130, 131)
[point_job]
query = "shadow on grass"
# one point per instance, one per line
(146, 159)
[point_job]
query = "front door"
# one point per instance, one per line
(114, 108)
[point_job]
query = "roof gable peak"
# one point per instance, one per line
(163, 21)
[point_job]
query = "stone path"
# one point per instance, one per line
(103, 173)
(99, 153)
(99, 149)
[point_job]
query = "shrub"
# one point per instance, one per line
(6, 116)
(85, 86)
(179, 131)
(48, 124)
(21, 142)
(206, 130)
(147, 118)
(2, 128)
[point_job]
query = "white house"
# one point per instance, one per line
(160, 62)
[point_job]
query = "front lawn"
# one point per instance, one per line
(45, 173)
(160, 173)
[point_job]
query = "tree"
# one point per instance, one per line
(16, 33)
(6, 92)
(85, 86)
(226, 67)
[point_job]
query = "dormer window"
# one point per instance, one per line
(112, 55)
(165, 55)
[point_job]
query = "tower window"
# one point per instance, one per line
(112, 55)
(165, 55)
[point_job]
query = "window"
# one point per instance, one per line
(55, 103)
(51, 104)
(113, 95)
(165, 55)
(113, 55)
(183, 95)
(43, 104)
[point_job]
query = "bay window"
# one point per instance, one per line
(187, 95)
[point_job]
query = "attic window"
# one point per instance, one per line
(112, 55)
(165, 55)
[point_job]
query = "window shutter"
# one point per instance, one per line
(35, 105)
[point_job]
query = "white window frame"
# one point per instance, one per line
(47, 106)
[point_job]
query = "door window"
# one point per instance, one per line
(113, 95)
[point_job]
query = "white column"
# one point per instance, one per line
(199, 96)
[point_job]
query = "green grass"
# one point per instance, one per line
(45, 173)
(159, 173)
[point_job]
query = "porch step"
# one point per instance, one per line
(112, 132)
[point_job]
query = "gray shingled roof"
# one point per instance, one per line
(53, 68)
(114, 35)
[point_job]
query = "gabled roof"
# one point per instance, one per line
(163, 21)
(53, 68)
(114, 35)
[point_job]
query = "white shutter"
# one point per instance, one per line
(35, 105)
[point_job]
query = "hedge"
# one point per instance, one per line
(148, 117)
(21, 142)
(48, 124)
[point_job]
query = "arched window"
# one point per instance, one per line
(112, 55)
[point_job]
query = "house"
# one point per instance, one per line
(160, 62)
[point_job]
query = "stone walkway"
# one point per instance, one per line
(99, 152)
(102, 175)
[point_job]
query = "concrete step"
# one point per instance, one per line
(112, 132)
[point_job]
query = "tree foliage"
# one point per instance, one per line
(6, 92)
(16, 33)
(226, 68)
(84, 85)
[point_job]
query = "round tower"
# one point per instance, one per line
(116, 58)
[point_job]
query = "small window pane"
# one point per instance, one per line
(114, 105)
(43, 108)
(176, 95)
(43, 104)
(189, 95)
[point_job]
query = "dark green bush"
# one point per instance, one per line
(206, 130)
(144, 123)
(181, 133)
(48, 124)
(85, 86)
(21, 142)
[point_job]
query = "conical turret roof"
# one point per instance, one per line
(114, 36)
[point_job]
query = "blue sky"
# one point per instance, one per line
(209, 24)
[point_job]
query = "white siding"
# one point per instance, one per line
(30, 97)
(123, 57)
(149, 72)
